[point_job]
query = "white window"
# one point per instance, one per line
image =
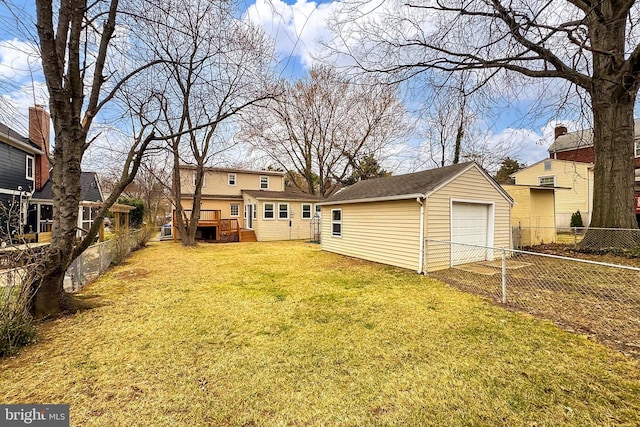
(264, 182)
(283, 210)
(547, 165)
(318, 211)
(235, 209)
(306, 211)
(29, 168)
(547, 181)
(231, 179)
(255, 211)
(637, 147)
(268, 211)
(336, 222)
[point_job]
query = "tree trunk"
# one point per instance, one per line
(613, 190)
(50, 298)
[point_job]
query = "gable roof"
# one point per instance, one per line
(89, 189)
(581, 139)
(408, 186)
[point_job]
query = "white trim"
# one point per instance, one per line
(302, 205)
(260, 182)
(235, 179)
(422, 251)
(16, 192)
(19, 145)
(231, 210)
(273, 210)
(547, 176)
(26, 167)
(373, 199)
(490, 223)
(336, 222)
(288, 211)
(491, 181)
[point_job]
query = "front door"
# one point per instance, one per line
(250, 216)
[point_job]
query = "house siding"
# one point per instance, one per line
(533, 213)
(578, 194)
(384, 232)
(13, 168)
(294, 228)
(224, 206)
(469, 186)
(216, 182)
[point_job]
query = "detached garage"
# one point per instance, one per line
(387, 219)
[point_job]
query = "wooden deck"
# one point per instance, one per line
(218, 229)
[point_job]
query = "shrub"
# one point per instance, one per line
(16, 324)
(576, 220)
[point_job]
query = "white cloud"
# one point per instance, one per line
(19, 60)
(14, 105)
(298, 29)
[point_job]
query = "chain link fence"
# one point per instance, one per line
(620, 239)
(87, 267)
(593, 298)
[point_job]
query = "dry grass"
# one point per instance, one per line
(283, 334)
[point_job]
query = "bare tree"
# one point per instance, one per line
(217, 65)
(592, 46)
(320, 126)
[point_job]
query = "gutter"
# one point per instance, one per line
(421, 252)
(373, 199)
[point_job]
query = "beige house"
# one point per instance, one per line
(247, 205)
(386, 220)
(533, 214)
(573, 182)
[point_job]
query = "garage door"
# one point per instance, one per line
(470, 226)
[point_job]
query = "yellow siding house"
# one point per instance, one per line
(533, 214)
(247, 204)
(573, 182)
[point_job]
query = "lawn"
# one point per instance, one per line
(284, 334)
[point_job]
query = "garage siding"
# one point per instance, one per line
(472, 186)
(384, 232)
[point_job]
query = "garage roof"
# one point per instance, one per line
(408, 186)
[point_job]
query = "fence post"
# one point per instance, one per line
(575, 236)
(504, 277)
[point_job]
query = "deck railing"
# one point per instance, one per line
(205, 215)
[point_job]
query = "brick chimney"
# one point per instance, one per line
(39, 125)
(560, 130)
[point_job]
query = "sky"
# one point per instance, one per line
(298, 30)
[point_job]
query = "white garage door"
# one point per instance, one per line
(470, 226)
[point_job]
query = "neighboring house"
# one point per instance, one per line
(533, 214)
(25, 187)
(573, 182)
(387, 219)
(578, 147)
(24, 168)
(247, 205)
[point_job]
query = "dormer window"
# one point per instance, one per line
(29, 168)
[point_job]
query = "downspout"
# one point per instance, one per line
(421, 259)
